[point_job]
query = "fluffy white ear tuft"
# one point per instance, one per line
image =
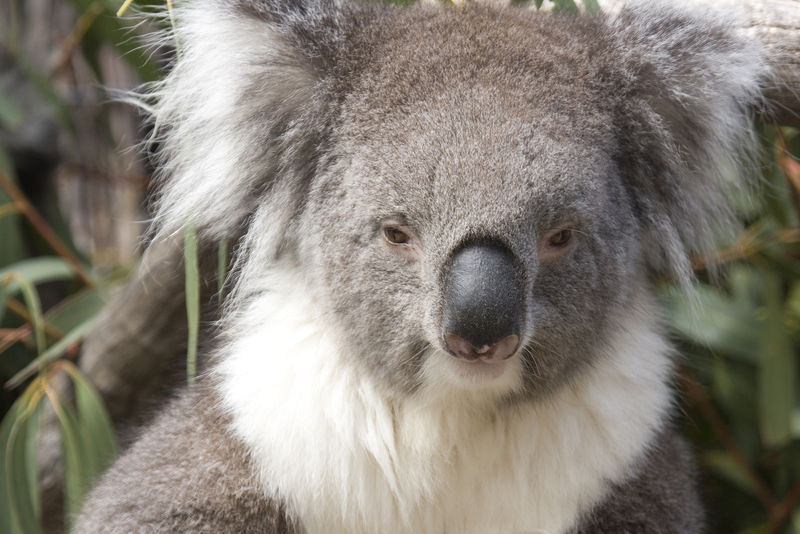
(226, 116)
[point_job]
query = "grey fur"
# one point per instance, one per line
(463, 124)
(660, 497)
(157, 486)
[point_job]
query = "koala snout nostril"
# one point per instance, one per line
(483, 303)
(501, 350)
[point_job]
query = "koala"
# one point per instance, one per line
(450, 222)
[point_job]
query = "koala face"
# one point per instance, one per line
(472, 236)
(388, 249)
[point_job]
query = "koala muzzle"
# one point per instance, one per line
(483, 304)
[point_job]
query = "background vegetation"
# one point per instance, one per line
(69, 191)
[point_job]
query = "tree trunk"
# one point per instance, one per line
(776, 23)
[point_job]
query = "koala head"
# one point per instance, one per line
(474, 196)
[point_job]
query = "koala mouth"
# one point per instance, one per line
(483, 372)
(494, 353)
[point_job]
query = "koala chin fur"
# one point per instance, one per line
(444, 460)
(332, 402)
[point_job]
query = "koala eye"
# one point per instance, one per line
(555, 242)
(395, 236)
(401, 240)
(560, 238)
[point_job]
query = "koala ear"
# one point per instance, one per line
(239, 108)
(685, 129)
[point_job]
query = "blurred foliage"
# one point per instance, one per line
(50, 293)
(740, 338)
(739, 331)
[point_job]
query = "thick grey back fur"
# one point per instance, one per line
(305, 127)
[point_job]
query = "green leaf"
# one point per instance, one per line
(777, 372)
(795, 424)
(723, 384)
(777, 197)
(724, 466)
(793, 302)
(10, 226)
(734, 389)
(76, 309)
(20, 480)
(192, 298)
(95, 425)
(75, 465)
(54, 352)
(34, 306)
(7, 523)
(592, 6)
(36, 271)
(760, 528)
(565, 6)
(10, 113)
(714, 320)
(32, 459)
(110, 29)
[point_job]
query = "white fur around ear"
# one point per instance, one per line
(221, 116)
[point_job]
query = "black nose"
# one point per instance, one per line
(483, 303)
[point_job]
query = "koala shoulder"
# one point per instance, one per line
(156, 486)
(660, 498)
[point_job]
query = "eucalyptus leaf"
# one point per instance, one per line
(592, 6)
(75, 463)
(760, 528)
(55, 351)
(36, 271)
(12, 249)
(8, 490)
(95, 425)
(726, 467)
(793, 301)
(76, 309)
(712, 319)
(191, 264)
(723, 385)
(565, 6)
(10, 114)
(777, 371)
(795, 424)
(21, 467)
(32, 424)
(34, 306)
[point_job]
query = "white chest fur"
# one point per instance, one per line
(349, 460)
